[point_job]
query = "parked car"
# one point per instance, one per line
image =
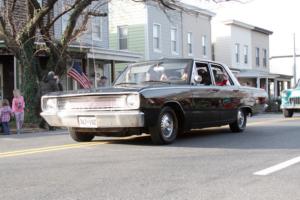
(290, 101)
(162, 98)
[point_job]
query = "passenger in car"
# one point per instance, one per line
(221, 80)
(205, 77)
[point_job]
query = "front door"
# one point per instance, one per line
(1, 81)
(205, 97)
(228, 94)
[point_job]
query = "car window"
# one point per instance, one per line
(220, 75)
(203, 72)
(162, 71)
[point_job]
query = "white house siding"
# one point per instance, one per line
(222, 43)
(241, 36)
(166, 22)
(198, 25)
(261, 41)
(133, 15)
(85, 38)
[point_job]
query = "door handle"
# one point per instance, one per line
(236, 90)
(214, 90)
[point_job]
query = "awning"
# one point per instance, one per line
(116, 55)
(256, 74)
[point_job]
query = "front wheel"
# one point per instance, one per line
(166, 128)
(81, 136)
(240, 124)
(288, 113)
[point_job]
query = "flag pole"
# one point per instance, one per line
(295, 67)
(94, 63)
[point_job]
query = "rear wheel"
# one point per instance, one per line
(288, 112)
(81, 136)
(240, 124)
(166, 128)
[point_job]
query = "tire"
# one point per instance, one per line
(241, 121)
(166, 128)
(288, 113)
(81, 136)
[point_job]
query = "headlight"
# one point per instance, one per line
(284, 94)
(50, 104)
(133, 101)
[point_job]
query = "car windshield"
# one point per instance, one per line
(298, 84)
(175, 71)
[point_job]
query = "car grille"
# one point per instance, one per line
(294, 100)
(92, 102)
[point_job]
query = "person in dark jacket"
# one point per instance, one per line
(49, 84)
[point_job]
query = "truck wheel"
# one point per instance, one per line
(240, 124)
(80, 136)
(288, 113)
(166, 128)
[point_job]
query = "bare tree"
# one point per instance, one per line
(34, 34)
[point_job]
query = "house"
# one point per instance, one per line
(245, 49)
(9, 70)
(155, 33)
(91, 49)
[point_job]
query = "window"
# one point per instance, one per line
(65, 17)
(257, 56)
(265, 57)
(156, 36)
(97, 28)
(204, 50)
(174, 40)
(203, 73)
(220, 75)
(237, 52)
(40, 2)
(189, 42)
(245, 54)
(123, 36)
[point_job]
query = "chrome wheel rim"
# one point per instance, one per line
(241, 119)
(167, 125)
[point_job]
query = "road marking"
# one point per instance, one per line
(272, 121)
(278, 167)
(48, 149)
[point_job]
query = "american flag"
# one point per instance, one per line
(76, 73)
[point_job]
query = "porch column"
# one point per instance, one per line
(15, 73)
(267, 86)
(257, 82)
(275, 88)
(113, 66)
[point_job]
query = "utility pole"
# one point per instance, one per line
(294, 56)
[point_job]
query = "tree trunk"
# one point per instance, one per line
(30, 82)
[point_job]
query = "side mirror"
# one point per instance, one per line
(198, 79)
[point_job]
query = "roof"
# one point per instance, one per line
(247, 26)
(196, 9)
(261, 74)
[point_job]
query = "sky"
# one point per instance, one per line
(282, 17)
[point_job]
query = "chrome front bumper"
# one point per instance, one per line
(104, 119)
(290, 106)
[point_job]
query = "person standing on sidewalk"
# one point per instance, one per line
(1, 130)
(5, 114)
(18, 105)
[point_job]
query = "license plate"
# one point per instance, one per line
(87, 122)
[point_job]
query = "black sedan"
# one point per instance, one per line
(162, 98)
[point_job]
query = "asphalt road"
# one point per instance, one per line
(208, 164)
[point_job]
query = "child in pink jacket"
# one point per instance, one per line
(5, 114)
(18, 105)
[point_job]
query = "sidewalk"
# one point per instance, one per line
(30, 129)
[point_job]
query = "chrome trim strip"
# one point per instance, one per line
(105, 119)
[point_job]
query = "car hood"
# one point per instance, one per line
(108, 90)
